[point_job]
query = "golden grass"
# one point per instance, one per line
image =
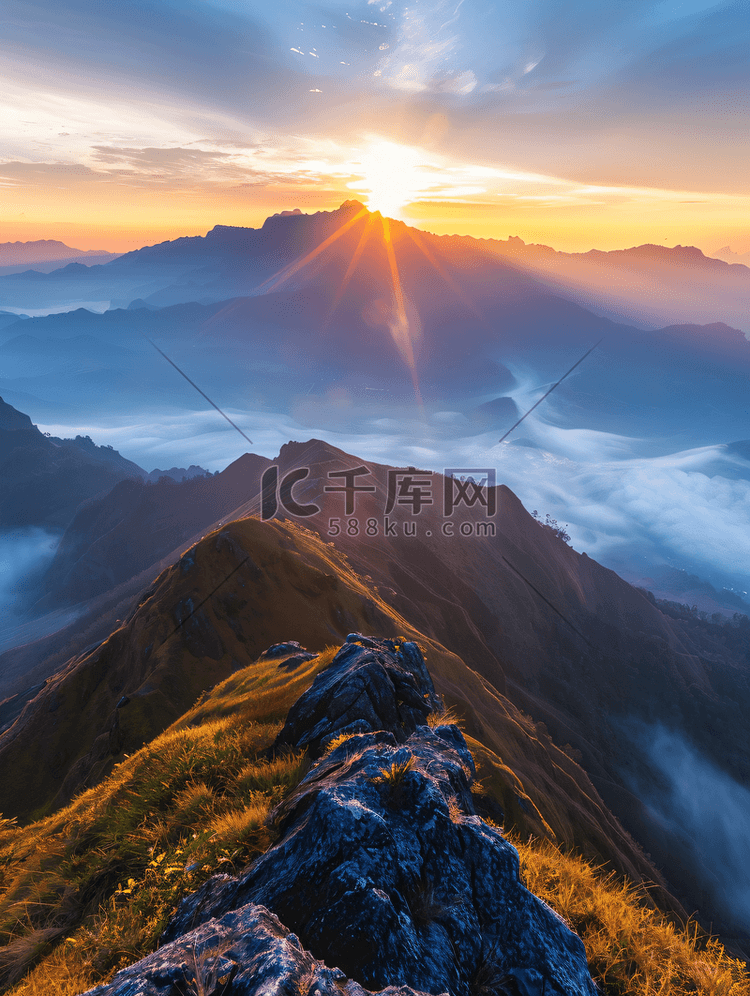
(449, 717)
(337, 741)
(632, 950)
(89, 889)
(395, 775)
(239, 825)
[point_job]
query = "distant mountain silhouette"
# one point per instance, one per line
(649, 285)
(43, 251)
(728, 256)
(178, 473)
(45, 255)
(43, 479)
(309, 322)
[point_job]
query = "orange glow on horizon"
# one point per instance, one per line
(126, 220)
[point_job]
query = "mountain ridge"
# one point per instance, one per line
(135, 825)
(44, 478)
(566, 640)
(120, 695)
(581, 274)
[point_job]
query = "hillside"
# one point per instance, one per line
(123, 861)
(43, 479)
(596, 664)
(121, 695)
(119, 534)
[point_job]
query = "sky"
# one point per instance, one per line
(577, 124)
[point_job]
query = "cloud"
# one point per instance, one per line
(567, 88)
(194, 48)
(425, 54)
(705, 812)
(619, 503)
(24, 554)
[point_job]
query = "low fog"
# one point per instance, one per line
(623, 505)
(25, 554)
(703, 812)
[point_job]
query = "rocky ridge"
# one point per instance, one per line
(383, 878)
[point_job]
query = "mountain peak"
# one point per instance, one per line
(11, 418)
(42, 250)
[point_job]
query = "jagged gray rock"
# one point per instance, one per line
(248, 952)
(368, 686)
(381, 869)
(283, 649)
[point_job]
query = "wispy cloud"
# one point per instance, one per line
(567, 90)
(704, 811)
(24, 553)
(615, 498)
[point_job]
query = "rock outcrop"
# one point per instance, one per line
(380, 689)
(382, 875)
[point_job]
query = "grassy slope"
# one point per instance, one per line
(73, 732)
(92, 887)
(89, 889)
(294, 586)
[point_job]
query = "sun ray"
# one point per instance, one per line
(351, 268)
(400, 332)
(440, 269)
(278, 278)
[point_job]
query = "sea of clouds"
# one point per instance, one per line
(704, 809)
(621, 505)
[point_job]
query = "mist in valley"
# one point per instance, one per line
(25, 554)
(700, 812)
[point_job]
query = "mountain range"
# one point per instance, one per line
(517, 326)
(421, 348)
(606, 718)
(648, 285)
(728, 256)
(531, 627)
(158, 619)
(46, 255)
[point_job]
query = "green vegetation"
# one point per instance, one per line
(89, 889)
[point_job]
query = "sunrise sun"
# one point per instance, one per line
(392, 176)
